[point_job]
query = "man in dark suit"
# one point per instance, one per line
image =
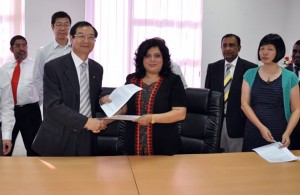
(295, 67)
(72, 87)
(234, 118)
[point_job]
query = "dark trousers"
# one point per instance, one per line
(28, 121)
(295, 138)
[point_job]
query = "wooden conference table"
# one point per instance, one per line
(226, 173)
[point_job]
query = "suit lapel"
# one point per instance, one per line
(71, 74)
(93, 84)
(220, 74)
(238, 72)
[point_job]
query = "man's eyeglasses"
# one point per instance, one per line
(84, 37)
(62, 25)
(17, 46)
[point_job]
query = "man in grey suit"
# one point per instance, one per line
(72, 87)
(234, 118)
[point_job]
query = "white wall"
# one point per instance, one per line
(250, 20)
(38, 15)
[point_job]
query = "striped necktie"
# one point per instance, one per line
(227, 83)
(85, 104)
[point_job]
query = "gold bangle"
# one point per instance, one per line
(152, 119)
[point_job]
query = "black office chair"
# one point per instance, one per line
(111, 140)
(201, 129)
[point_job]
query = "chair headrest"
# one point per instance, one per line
(107, 90)
(197, 100)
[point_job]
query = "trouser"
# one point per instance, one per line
(230, 144)
(295, 138)
(28, 121)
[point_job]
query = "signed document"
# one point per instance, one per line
(119, 97)
(123, 117)
(273, 153)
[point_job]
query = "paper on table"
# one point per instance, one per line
(273, 153)
(119, 97)
(123, 117)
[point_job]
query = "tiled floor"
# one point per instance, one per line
(19, 149)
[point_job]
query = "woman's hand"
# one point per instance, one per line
(144, 119)
(266, 134)
(285, 140)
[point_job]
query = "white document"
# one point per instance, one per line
(119, 97)
(123, 117)
(273, 153)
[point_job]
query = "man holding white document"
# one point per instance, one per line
(72, 86)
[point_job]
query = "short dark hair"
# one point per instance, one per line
(238, 40)
(277, 41)
(297, 42)
(17, 37)
(81, 24)
(141, 52)
(60, 14)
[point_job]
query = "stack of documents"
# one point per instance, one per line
(274, 153)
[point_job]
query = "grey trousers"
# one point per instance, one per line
(230, 144)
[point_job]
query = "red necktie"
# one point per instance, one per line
(15, 80)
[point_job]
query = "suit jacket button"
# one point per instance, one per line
(75, 130)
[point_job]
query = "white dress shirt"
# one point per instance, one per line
(232, 68)
(7, 116)
(294, 69)
(44, 54)
(78, 62)
(26, 92)
(176, 70)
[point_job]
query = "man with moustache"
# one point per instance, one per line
(26, 107)
(234, 118)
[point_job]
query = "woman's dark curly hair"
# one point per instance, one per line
(141, 52)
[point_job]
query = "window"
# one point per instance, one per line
(12, 23)
(123, 25)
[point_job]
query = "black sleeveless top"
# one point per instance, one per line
(267, 104)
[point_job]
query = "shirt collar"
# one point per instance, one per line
(295, 66)
(77, 60)
(233, 62)
(55, 44)
(14, 61)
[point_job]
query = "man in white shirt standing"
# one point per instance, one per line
(177, 70)
(25, 96)
(60, 24)
(7, 119)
